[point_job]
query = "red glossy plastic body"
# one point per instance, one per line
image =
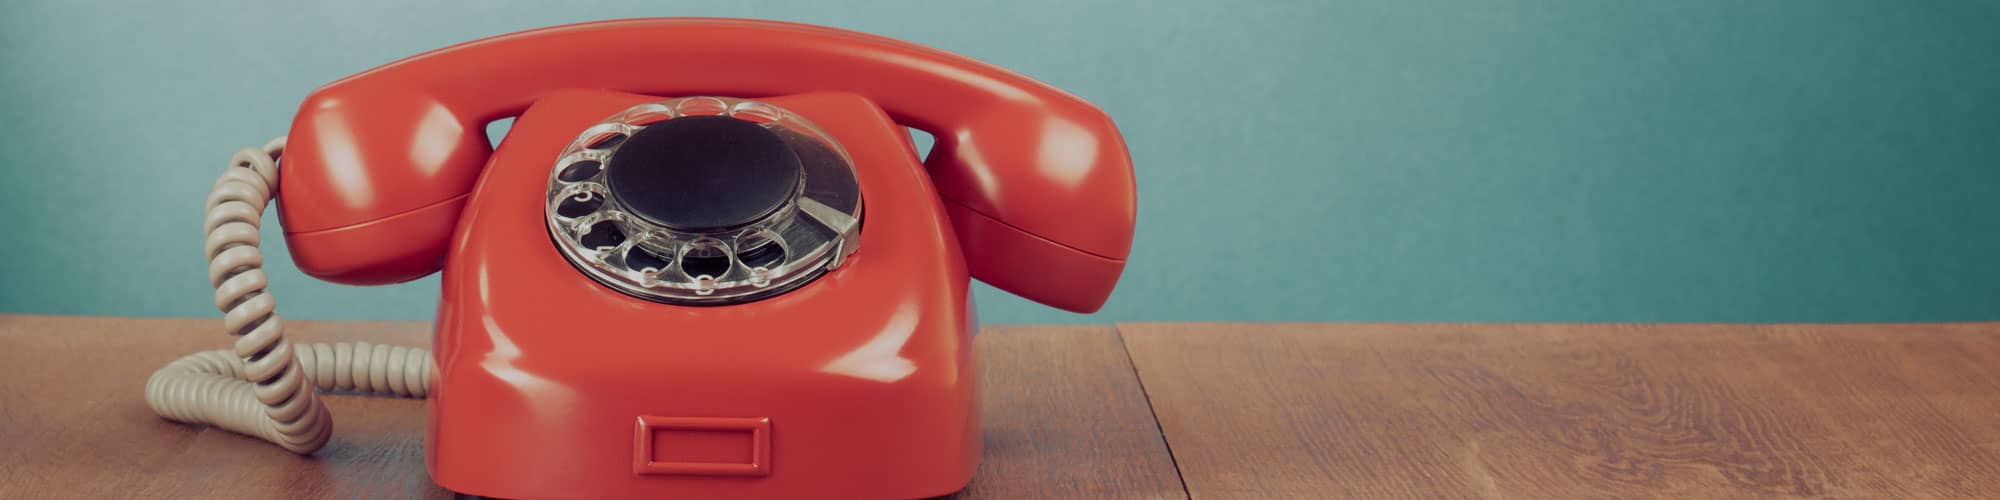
(859, 384)
(865, 376)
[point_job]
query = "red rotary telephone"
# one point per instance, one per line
(653, 289)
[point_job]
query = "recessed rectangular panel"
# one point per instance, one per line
(702, 446)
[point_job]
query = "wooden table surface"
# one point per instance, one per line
(1200, 410)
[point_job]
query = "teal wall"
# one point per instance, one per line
(1298, 160)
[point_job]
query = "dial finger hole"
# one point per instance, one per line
(640, 259)
(603, 236)
(701, 106)
(648, 114)
(606, 141)
(766, 255)
(705, 258)
(697, 267)
(755, 112)
(580, 205)
(577, 172)
(602, 136)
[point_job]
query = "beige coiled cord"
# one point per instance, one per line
(265, 387)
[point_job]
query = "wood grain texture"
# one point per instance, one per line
(1568, 411)
(1064, 417)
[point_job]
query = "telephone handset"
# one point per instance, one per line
(705, 261)
(1037, 182)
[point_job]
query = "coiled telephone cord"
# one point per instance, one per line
(268, 387)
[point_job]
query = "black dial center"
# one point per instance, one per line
(703, 173)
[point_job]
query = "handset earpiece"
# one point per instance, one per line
(374, 179)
